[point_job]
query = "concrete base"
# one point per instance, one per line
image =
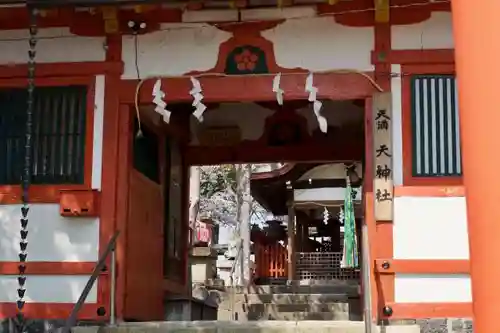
(433, 325)
(438, 325)
(181, 309)
(202, 261)
(248, 327)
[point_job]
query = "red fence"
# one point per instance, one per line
(271, 261)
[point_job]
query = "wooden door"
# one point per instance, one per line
(144, 270)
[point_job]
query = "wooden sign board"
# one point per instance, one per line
(383, 189)
(219, 136)
(203, 233)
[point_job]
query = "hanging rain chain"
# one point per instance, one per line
(26, 176)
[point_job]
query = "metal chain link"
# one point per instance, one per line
(26, 176)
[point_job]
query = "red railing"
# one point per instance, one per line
(270, 261)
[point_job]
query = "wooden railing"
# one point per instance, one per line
(270, 261)
(110, 249)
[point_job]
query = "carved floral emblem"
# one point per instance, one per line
(246, 60)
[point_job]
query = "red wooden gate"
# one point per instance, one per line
(271, 261)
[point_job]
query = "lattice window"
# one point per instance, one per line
(58, 141)
(323, 266)
(435, 126)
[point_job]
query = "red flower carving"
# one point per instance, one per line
(246, 60)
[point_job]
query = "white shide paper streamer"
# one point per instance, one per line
(313, 92)
(341, 215)
(159, 101)
(196, 92)
(276, 89)
(326, 216)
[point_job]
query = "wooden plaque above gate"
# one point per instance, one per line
(219, 136)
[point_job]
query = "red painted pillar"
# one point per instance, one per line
(476, 27)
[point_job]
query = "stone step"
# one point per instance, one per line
(302, 307)
(287, 298)
(307, 326)
(332, 288)
(304, 310)
(284, 316)
(269, 312)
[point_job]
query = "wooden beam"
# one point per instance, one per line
(284, 3)
(382, 11)
(291, 242)
(254, 153)
(422, 266)
(110, 17)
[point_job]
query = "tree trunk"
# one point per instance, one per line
(244, 200)
(194, 195)
(194, 207)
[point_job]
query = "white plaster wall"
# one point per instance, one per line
(54, 45)
(316, 44)
(337, 114)
(172, 51)
(330, 171)
(51, 237)
(435, 33)
(436, 288)
(100, 85)
(47, 289)
(322, 194)
(269, 14)
(251, 118)
(326, 171)
(430, 228)
(320, 44)
(397, 127)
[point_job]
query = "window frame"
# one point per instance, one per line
(407, 131)
(50, 193)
